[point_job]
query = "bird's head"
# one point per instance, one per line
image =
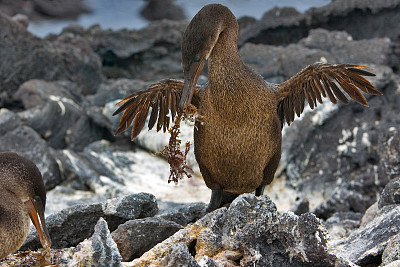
(23, 179)
(198, 41)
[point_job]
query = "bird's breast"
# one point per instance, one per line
(14, 225)
(236, 139)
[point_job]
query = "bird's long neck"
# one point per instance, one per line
(225, 64)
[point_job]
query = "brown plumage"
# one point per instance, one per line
(22, 195)
(238, 143)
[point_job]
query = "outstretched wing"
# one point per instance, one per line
(321, 79)
(162, 97)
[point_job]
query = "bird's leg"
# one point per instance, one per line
(216, 199)
(220, 198)
(260, 190)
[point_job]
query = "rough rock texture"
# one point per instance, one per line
(149, 53)
(71, 226)
(138, 236)
(362, 19)
(114, 169)
(22, 53)
(249, 232)
(390, 194)
(390, 164)
(366, 244)
(392, 251)
(25, 141)
(113, 89)
(182, 214)
(60, 114)
(340, 224)
(277, 63)
(135, 237)
(99, 250)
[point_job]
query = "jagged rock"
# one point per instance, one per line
(99, 250)
(390, 194)
(249, 232)
(151, 53)
(179, 255)
(341, 46)
(389, 148)
(344, 199)
(366, 244)
(106, 170)
(114, 89)
(281, 25)
(340, 224)
(277, 63)
(83, 171)
(162, 9)
(24, 141)
(26, 57)
(369, 214)
(182, 214)
(392, 251)
(135, 237)
(71, 226)
(8, 121)
(361, 19)
(58, 112)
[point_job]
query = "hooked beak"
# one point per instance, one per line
(190, 82)
(36, 207)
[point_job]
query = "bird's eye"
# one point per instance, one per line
(196, 59)
(37, 199)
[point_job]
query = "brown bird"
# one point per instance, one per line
(237, 144)
(22, 195)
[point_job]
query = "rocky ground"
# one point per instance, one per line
(335, 200)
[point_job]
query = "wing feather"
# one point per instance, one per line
(153, 115)
(328, 89)
(162, 97)
(160, 121)
(309, 94)
(352, 91)
(129, 115)
(140, 119)
(323, 80)
(362, 83)
(173, 105)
